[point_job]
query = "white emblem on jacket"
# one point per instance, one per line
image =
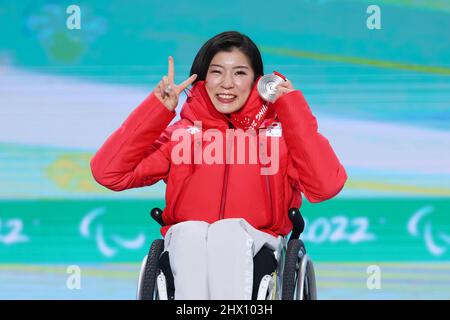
(274, 130)
(192, 129)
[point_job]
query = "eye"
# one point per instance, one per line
(241, 73)
(215, 71)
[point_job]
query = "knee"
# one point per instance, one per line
(186, 234)
(191, 229)
(226, 225)
(229, 235)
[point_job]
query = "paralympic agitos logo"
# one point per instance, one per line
(107, 243)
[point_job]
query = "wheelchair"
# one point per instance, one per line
(293, 278)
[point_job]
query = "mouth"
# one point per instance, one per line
(226, 98)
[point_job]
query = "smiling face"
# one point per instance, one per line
(229, 80)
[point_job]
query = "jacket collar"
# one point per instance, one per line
(255, 113)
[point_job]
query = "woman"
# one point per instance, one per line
(221, 212)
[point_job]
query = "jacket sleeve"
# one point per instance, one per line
(316, 170)
(136, 154)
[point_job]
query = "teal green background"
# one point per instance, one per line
(53, 229)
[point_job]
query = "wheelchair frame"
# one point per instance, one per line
(294, 278)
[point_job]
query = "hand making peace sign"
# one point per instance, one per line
(167, 91)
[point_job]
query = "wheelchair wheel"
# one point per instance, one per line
(147, 289)
(310, 292)
(298, 275)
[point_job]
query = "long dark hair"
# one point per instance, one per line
(226, 41)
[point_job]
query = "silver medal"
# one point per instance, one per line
(267, 86)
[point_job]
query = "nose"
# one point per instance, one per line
(227, 82)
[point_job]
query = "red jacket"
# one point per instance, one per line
(139, 154)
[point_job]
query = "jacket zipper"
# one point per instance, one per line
(269, 191)
(270, 200)
(225, 180)
(224, 193)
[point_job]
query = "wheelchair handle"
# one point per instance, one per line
(297, 221)
(156, 214)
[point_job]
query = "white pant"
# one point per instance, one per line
(215, 261)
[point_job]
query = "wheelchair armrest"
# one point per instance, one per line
(156, 214)
(297, 221)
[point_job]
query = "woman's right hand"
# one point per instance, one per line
(167, 91)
